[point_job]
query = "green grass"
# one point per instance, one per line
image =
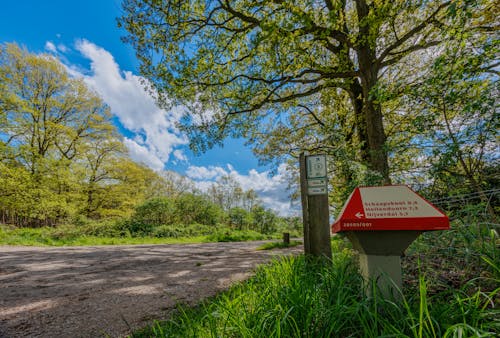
(47, 237)
(73, 236)
(278, 245)
(227, 235)
(295, 297)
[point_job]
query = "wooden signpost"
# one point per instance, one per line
(315, 209)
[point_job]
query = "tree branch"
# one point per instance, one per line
(411, 33)
(267, 99)
(401, 54)
(312, 114)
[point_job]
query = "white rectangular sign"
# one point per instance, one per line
(317, 182)
(316, 166)
(317, 190)
(395, 202)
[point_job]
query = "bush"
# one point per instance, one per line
(184, 209)
(138, 228)
(105, 228)
(63, 232)
(236, 236)
(196, 229)
(192, 208)
(154, 212)
(167, 231)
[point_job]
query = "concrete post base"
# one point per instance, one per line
(384, 271)
(380, 257)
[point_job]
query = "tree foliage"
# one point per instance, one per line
(251, 68)
(352, 79)
(458, 105)
(60, 155)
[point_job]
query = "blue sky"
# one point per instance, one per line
(85, 37)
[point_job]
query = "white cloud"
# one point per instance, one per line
(156, 137)
(50, 47)
(62, 48)
(205, 173)
(179, 154)
(136, 109)
(142, 154)
(272, 189)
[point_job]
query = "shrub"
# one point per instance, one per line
(196, 229)
(137, 228)
(236, 236)
(154, 212)
(192, 208)
(106, 228)
(166, 231)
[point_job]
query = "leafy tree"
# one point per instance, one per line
(129, 185)
(228, 194)
(60, 154)
(191, 208)
(173, 184)
(156, 211)
(459, 98)
(240, 218)
(252, 68)
(265, 220)
(250, 199)
(100, 155)
(46, 113)
(48, 121)
(224, 192)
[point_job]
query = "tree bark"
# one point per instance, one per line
(367, 60)
(356, 96)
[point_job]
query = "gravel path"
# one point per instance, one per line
(109, 290)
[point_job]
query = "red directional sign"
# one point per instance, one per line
(394, 207)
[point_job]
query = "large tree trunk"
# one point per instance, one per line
(356, 96)
(370, 121)
(376, 139)
(377, 152)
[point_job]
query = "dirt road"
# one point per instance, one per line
(109, 290)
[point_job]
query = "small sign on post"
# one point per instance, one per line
(317, 183)
(316, 166)
(315, 211)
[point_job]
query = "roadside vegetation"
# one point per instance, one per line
(188, 218)
(66, 177)
(295, 297)
(278, 245)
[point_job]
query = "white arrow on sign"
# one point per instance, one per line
(359, 214)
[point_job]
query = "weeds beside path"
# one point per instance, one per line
(298, 297)
(96, 291)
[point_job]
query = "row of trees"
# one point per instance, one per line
(190, 209)
(62, 159)
(392, 91)
(60, 155)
